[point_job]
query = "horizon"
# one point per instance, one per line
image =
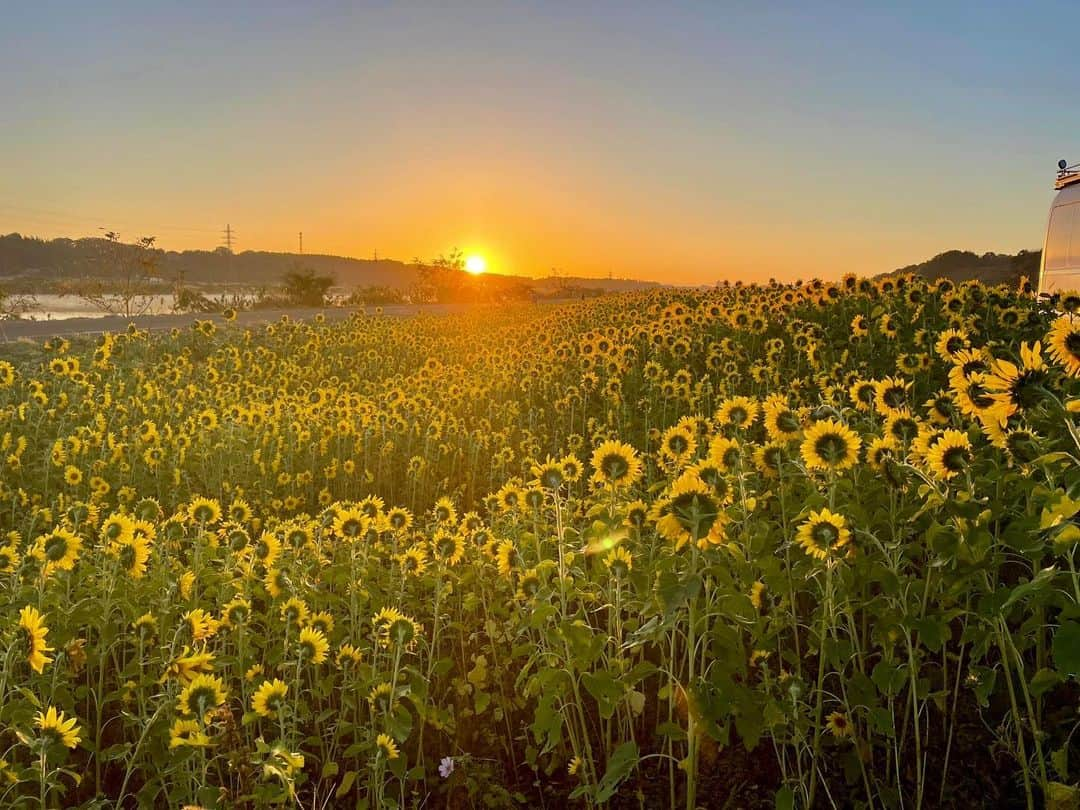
(680, 146)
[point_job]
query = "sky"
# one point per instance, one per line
(678, 142)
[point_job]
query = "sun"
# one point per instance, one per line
(475, 265)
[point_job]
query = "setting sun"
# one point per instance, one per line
(476, 265)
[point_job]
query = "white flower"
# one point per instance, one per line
(446, 766)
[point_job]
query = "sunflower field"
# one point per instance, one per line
(806, 545)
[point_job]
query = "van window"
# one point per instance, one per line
(1062, 239)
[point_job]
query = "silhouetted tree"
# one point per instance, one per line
(304, 288)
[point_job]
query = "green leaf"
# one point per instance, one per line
(620, 765)
(1039, 582)
(1060, 760)
(888, 678)
(1066, 648)
(1044, 680)
(931, 632)
(607, 690)
(785, 799)
(346, 784)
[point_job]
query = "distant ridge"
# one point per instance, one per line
(989, 268)
(30, 258)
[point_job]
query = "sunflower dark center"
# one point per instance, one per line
(1072, 343)
(824, 534)
(831, 447)
(615, 466)
(954, 459)
(55, 548)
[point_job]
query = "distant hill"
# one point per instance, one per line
(990, 268)
(38, 260)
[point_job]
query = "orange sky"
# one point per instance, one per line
(685, 144)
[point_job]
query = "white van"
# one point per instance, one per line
(1060, 268)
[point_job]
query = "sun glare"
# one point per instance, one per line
(476, 265)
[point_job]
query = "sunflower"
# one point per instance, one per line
(769, 458)
(414, 561)
(940, 407)
(313, 645)
(394, 627)
(738, 412)
(445, 511)
(550, 474)
(203, 694)
(348, 656)
(509, 497)
(134, 555)
(757, 594)
(966, 363)
(295, 611)
(830, 445)
(188, 666)
(528, 584)
(239, 511)
(323, 621)
(839, 725)
(950, 343)
(145, 626)
(689, 512)
(890, 395)
(1022, 445)
(350, 523)
(399, 519)
(507, 558)
(386, 746)
(949, 455)
(60, 549)
(1015, 388)
(619, 561)
(58, 729)
(449, 546)
(972, 396)
(1064, 342)
(862, 394)
(880, 450)
(33, 625)
(381, 697)
(902, 427)
(615, 465)
(236, 612)
(201, 624)
(859, 326)
(637, 512)
(725, 452)
(187, 733)
(9, 558)
(269, 698)
(823, 534)
(267, 548)
(782, 422)
(571, 468)
(205, 511)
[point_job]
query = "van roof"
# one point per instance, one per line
(1067, 177)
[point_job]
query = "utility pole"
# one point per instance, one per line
(228, 235)
(301, 243)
